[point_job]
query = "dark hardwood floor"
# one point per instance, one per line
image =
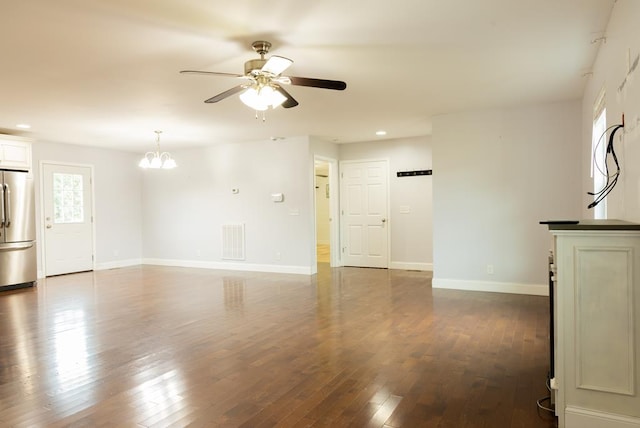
(159, 346)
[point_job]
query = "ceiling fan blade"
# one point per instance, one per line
(338, 85)
(276, 65)
(225, 94)
(210, 73)
(290, 102)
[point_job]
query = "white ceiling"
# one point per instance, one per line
(106, 72)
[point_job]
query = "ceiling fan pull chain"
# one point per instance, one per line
(264, 116)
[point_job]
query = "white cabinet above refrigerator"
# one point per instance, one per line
(15, 153)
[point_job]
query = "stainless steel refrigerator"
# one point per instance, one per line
(17, 230)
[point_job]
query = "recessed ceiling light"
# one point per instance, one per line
(381, 133)
(23, 126)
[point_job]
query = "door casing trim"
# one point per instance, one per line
(43, 252)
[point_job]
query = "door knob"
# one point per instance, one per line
(384, 220)
(48, 226)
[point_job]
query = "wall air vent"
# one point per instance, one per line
(233, 242)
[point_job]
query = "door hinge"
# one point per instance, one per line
(92, 259)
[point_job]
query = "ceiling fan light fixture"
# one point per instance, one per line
(251, 98)
(275, 97)
(261, 98)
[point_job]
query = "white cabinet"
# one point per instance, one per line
(15, 153)
(597, 324)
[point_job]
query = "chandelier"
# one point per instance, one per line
(157, 160)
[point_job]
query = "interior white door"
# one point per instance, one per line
(68, 232)
(364, 212)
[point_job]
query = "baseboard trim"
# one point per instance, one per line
(117, 264)
(411, 266)
(493, 287)
(299, 270)
(576, 417)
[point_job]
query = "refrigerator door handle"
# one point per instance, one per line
(7, 220)
(2, 205)
(16, 246)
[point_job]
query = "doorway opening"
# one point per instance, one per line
(326, 211)
(323, 215)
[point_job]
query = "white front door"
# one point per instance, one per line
(68, 229)
(364, 212)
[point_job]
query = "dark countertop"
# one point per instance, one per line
(590, 224)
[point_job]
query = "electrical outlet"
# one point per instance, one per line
(277, 255)
(490, 269)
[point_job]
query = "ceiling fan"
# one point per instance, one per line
(263, 81)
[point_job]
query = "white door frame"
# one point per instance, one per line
(334, 213)
(388, 217)
(43, 246)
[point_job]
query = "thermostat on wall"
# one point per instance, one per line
(277, 197)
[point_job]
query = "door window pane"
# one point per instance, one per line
(68, 200)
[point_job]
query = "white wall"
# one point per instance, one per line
(117, 195)
(610, 70)
(185, 208)
(323, 148)
(497, 173)
(411, 234)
